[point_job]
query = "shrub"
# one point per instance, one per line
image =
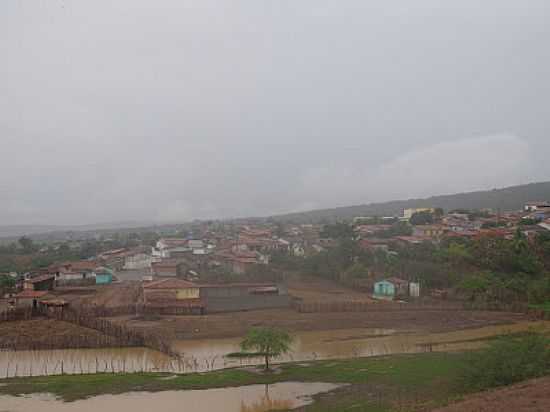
(507, 360)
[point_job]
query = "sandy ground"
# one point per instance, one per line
(116, 294)
(121, 294)
(530, 396)
(229, 325)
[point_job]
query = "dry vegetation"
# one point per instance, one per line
(317, 289)
(44, 333)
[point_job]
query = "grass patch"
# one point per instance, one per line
(244, 355)
(541, 306)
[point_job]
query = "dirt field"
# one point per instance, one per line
(319, 290)
(116, 294)
(228, 325)
(530, 396)
(48, 333)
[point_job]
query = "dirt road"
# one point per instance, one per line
(530, 396)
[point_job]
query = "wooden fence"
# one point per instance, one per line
(359, 306)
(111, 333)
(113, 311)
(124, 335)
(12, 315)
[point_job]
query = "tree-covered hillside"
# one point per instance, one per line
(506, 199)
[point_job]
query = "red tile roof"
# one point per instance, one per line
(31, 294)
(40, 278)
(170, 283)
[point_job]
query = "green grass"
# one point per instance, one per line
(376, 383)
(542, 306)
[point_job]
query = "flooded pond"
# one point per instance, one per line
(348, 343)
(254, 398)
(209, 354)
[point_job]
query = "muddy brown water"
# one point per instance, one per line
(209, 354)
(254, 398)
(348, 343)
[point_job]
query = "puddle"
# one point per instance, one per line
(254, 398)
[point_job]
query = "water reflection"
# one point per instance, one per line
(76, 361)
(267, 403)
(255, 398)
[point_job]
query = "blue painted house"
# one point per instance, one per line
(390, 288)
(103, 276)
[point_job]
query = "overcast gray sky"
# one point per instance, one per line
(170, 110)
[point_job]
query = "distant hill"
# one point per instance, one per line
(507, 199)
(13, 231)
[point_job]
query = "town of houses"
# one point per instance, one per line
(185, 274)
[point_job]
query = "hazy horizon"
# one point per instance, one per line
(176, 110)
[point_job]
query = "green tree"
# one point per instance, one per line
(6, 283)
(355, 271)
(475, 285)
(267, 342)
(457, 252)
(397, 229)
(337, 230)
(539, 291)
(422, 218)
(26, 244)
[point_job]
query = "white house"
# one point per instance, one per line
(298, 250)
(138, 261)
(195, 244)
(167, 246)
(536, 206)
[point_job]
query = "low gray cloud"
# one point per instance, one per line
(130, 110)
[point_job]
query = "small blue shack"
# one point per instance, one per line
(103, 276)
(390, 288)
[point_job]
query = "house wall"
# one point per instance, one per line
(103, 279)
(414, 289)
(239, 268)
(188, 293)
(250, 302)
(384, 288)
(223, 292)
(76, 282)
(44, 285)
(25, 302)
(401, 289)
(139, 261)
(70, 276)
